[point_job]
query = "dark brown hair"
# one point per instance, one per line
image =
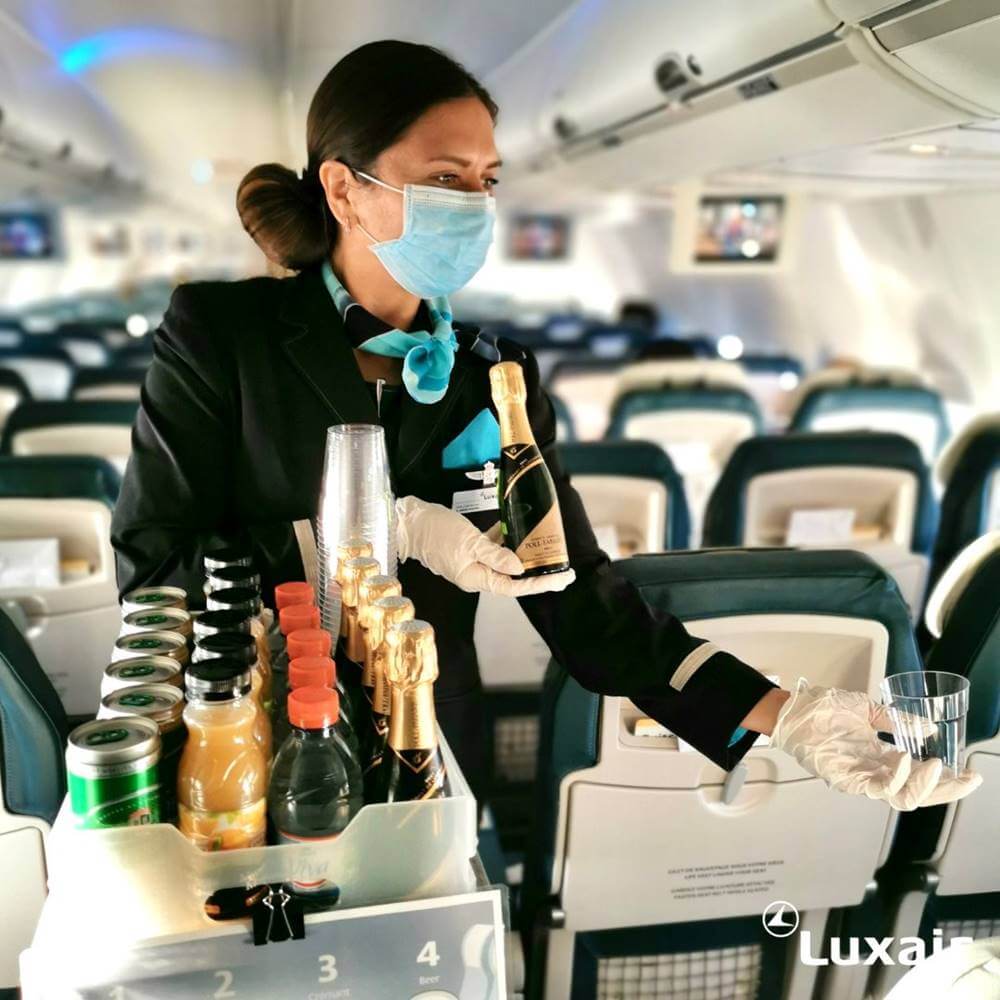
(363, 106)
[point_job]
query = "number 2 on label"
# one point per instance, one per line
(328, 971)
(429, 955)
(225, 978)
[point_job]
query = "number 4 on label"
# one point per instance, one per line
(429, 955)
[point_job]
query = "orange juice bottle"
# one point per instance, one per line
(242, 647)
(222, 777)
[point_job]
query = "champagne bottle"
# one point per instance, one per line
(382, 615)
(371, 589)
(352, 548)
(356, 571)
(529, 507)
(413, 768)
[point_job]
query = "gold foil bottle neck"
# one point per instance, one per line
(507, 383)
(385, 612)
(351, 548)
(412, 654)
(373, 588)
(355, 572)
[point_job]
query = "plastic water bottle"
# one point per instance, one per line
(316, 785)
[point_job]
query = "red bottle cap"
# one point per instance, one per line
(312, 671)
(308, 642)
(313, 708)
(298, 616)
(294, 592)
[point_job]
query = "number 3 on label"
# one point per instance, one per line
(327, 968)
(429, 955)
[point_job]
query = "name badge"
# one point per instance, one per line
(474, 501)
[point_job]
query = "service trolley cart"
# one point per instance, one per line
(125, 917)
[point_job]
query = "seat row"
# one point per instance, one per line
(648, 868)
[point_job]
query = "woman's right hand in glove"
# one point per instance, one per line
(453, 547)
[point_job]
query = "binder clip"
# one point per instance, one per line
(278, 917)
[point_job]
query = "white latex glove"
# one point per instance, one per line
(833, 734)
(453, 547)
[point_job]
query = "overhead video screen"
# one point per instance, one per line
(26, 236)
(732, 230)
(539, 237)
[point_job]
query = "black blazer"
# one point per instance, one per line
(246, 378)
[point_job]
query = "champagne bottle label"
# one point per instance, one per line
(379, 737)
(416, 774)
(530, 510)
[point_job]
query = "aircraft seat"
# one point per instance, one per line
(631, 491)
(33, 731)
(969, 470)
(71, 624)
(697, 425)
(587, 386)
(11, 332)
(655, 373)
(564, 420)
(651, 866)
(631, 488)
(137, 354)
(84, 344)
(13, 392)
(47, 371)
(881, 478)
(116, 382)
(74, 427)
(914, 410)
(947, 854)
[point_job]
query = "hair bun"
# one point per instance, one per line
(285, 214)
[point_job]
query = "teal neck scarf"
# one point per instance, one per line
(428, 358)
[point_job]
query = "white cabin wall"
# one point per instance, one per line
(890, 281)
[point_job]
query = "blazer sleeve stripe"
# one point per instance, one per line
(691, 663)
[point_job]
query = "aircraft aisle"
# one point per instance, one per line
(471, 478)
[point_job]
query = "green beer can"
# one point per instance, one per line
(112, 767)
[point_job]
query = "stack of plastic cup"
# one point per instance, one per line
(356, 502)
(928, 711)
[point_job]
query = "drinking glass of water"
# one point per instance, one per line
(928, 711)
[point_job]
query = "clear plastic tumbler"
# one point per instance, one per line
(928, 711)
(356, 502)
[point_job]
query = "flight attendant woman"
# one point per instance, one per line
(393, 212)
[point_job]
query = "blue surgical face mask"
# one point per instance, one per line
(445, 239)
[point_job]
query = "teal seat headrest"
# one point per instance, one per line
(824, 399)
(640, 460)
(31, 416)
(637, 402)
(76, 477)
(725, 515)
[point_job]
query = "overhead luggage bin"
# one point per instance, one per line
(694, 856)
(851, 490)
